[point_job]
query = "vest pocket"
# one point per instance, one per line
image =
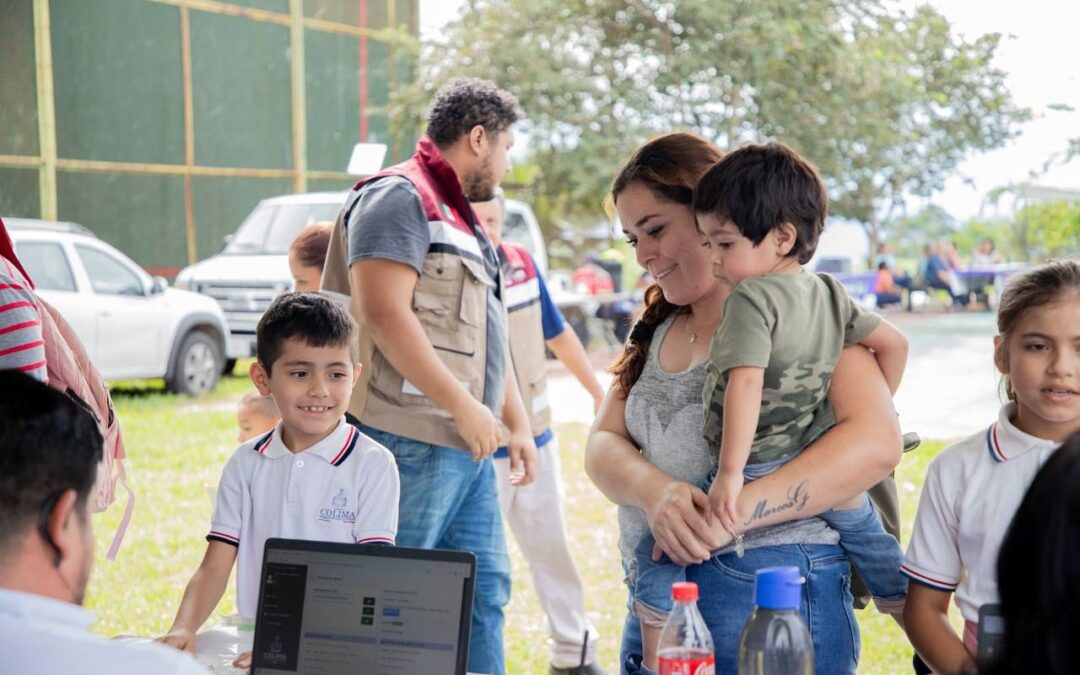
(438, 301)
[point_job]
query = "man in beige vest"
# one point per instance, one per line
(426, 291)
(535, 511)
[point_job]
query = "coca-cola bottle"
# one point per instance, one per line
(686, 648)
(775, 641)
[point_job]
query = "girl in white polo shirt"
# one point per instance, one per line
(973, 488)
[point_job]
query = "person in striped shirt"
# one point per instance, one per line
(313, 477)
(21, 345)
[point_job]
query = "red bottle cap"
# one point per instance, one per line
(684, 591)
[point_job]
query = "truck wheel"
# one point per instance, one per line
(198, 365)
(230, 365)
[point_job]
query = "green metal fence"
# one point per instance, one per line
(160, 123)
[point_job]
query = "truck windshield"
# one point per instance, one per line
(272, 227)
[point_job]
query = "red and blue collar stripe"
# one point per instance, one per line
(263, 443)
(347, 448)
(994, 445)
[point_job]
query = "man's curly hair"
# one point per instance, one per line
(464, 103)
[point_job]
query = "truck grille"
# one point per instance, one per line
(243, 304)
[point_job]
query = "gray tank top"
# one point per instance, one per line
(664, 415)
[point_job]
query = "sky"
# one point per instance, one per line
(1039, 55)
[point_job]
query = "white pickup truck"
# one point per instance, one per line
(253, 269)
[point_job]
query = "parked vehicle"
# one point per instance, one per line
(133, 325)
(254, 268)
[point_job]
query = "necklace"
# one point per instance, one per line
(693, 330)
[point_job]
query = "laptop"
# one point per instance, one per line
(329, 609)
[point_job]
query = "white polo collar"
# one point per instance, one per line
(1004, 441)
(335, 448)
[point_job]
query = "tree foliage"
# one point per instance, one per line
(885, 102)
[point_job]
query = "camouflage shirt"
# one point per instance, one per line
(794, 326)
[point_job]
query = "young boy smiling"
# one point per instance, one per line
(313, 477)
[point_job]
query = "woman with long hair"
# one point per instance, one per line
(646, 450)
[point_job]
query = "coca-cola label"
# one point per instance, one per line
(705, 665)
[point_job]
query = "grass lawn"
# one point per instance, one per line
(177, 447)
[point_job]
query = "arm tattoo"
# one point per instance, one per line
(797, 496)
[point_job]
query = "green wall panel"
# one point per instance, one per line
(19, 193)
(117, 80)
(378, 14)
(240, 73)
(378, 91)
(143, 216)
(327, 185)
(280, 6)
(340, 11)
(18, 86)
(405, 13)
(221, 204)
(332, 64)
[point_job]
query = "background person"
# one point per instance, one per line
(35, 338)
(49, 454)
(974, 487)
(1038, 572)
(535, 511)
(426, 290)
(886, 292)
(307, 255)
(646, 447)
(255, 415)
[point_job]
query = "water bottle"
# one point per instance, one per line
(686, 648)
(775, 641)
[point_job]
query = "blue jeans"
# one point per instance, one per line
(726, 584)
(449, 501)
(875, 553)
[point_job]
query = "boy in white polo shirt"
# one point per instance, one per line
(313, 477)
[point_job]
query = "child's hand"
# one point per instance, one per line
(242, 661)
(180, 638)
(723, 495)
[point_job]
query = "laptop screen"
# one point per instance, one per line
(349, 608)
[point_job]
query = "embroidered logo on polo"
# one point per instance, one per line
(339, 510)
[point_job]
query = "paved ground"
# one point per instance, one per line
(950, 388)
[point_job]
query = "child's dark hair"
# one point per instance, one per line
(311, 317)
(1036, 287)
(762, 186)
(1038, 571)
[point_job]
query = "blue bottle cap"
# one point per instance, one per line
(778, 588)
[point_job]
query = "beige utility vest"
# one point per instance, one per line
(526, 332)
(450, 300)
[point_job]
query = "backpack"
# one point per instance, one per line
(70, 371)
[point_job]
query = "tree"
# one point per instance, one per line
(885, 102)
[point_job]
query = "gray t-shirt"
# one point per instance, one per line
(663, 415)
(386, 220)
